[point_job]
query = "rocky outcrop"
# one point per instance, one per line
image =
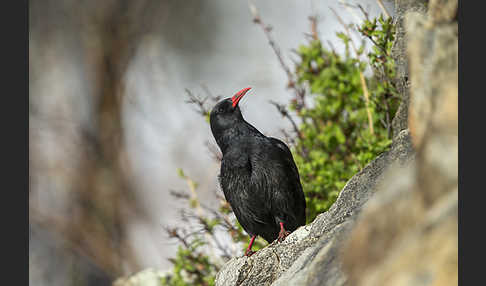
(409, 229)
(399, 55)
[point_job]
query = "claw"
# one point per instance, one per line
(283, 233)
(249, 253)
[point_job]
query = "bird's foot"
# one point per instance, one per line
(248, 251)
(282, 235)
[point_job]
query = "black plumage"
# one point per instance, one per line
(258, 175)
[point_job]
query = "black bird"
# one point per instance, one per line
(258, 175)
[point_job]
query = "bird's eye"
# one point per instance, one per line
(220, 110)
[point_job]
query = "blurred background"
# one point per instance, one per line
(109, 124)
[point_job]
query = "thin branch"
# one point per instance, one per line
(214, 98)
(199, 210)
(331, 46)
(288, 139)
(364, 12)
(349, 8)
(376, 44)
(179, 194)
(299, 91)
(199, 218)
(199, 102)
(213, 236)
(365, 91)
(380, 3)
(173, 233)
(283, 111)
(313, 20)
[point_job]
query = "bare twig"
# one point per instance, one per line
(214, 98)
(365, 91)
(288, 139)
(350, 10)
(313, 20)
(206, 230)
(364, 12)
(174, 233)
(179, 194)
(380, 3)
(292, 83)
(376, 44)
(199, 211)
(199, 102)
(331, 46)
(283, 111)
(216, 241)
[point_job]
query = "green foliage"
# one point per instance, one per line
(191, 266)
(334, 142)
(336, 139)
(381, 32)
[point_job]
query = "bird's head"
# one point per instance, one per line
(226, 114)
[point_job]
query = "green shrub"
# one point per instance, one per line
(336, 139)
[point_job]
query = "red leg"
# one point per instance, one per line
(248, 251)
(283, 233)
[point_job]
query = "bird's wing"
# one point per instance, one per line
(283, 183)
(249, 206)
(286, 155)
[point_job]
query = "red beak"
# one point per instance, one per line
(239, 95)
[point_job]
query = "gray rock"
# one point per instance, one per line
(433, 116)
(407, 233)
(399, 55)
